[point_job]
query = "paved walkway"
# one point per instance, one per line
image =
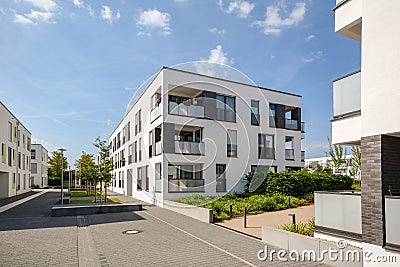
(273, 219)
(31, 237)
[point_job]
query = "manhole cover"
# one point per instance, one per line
(131, 232)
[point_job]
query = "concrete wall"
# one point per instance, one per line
(198, 213)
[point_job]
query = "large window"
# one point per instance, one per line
(231, 143)
(135, 157)
(140, 149)
(226, 108)
(180, 172)
(266, 146)
(10, 129)
(139, 179)
(220, 178)
(33, 154)
(138, 122)
(263, 168)
(255, 113)
(3, 153)
(272, 115)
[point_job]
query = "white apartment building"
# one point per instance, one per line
(326, 162)
(39, 165)
(190, 133)
(365, 109)
(15, 142)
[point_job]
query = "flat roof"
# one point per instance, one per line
(15, 117)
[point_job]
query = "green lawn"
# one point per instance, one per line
(83, 193)
(86, 201)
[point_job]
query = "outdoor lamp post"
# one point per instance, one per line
(62, 173)
(69, 178)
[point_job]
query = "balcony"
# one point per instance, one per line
(185, 185)
(347, 95)
(303, 127)
(155, 113)
(186, 109)
(158, 148)
(338, 213)
(221, 185)
(348, 18)
(291, 124)
(185, 147)
(289, 154)
(392, 221)
(266, 153)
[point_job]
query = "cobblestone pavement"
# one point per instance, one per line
(30, 237)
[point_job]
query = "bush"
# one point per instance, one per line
(296, 183)
(300, 228)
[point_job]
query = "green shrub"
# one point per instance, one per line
(300, 228)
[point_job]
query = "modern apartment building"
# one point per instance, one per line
(190, 133)
(366, 105)
(326, 162)
(15, 142)
(39, 165)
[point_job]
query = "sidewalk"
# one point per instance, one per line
(272, 219)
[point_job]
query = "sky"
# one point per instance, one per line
(69, 68)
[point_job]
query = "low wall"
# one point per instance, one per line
(304, 245)
(198, 213)
(76, 210)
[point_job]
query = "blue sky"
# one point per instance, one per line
(69, 68)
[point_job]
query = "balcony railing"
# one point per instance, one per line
(184, 147)
(303, 127)
(186, 109)
(291, 124)
(392, 221)
(185, 185)
(158, 148)
(155, 113)
(303, 155)
(266, 153)
(289, 154)
(347, 94)
(158, 185)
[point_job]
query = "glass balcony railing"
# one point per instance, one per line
(221, 185)
(291, 124)
(185, 185)
(158, 148)
(266, 153)
(155, 113)
(347, 94)
(289, 154)
(303, 127)
(184, 147)
(186, 109)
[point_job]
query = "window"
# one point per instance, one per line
(266, 146)
(123, 135)
(220, 178)
(135, 157)
(3, 153)
(118, 140)
(128, 128)
(34, 168)
(263, 168)
(272, 115)
(15, 134)
(28, 144)
(155, 100)
(255, 113)
(10, 129)
(33, 154)
(184, 172)
(138, 122)
(19, 160)
(23, 162)
(146, 175)
(150, 144)
(10, 153)
(14, 157)
(225, 108)
(231, 143)
(140, 149)
(139, 179)
(130, 154)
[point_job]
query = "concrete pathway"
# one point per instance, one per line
(19, 201)
(273, 219)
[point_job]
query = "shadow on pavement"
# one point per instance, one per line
(36, 213)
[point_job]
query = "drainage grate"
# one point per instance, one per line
(131, 232)
(81, 221)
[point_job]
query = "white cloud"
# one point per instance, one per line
(218, 56)
(37, 15)
(107, 14)
(274, 21)
(272, 56)
(313, 56)
(217, 31)
(79, 4)
(22, 20)
(310, 37)
(154, 19)
(241, 8)
(47, 5)
(90, 10)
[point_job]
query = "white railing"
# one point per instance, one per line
(392, 220)
(186, 185)
(186, 109)
(155, 113)
(338, 211)
(184, 147)
(347, 94)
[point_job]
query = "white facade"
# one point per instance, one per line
(39, 165)
(178, 137)
(15, 142)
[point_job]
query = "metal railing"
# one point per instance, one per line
(184, 147)
(186, 109)
(289, 154)
(185, 185)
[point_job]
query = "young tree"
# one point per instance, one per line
(56, 162)
(105, 165)
(87, 168)
(355, 162)
(335, 152)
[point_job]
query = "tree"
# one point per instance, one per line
(336, 154)
(355, 162)
(105, 164)
(55, 163)
(87, 168)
